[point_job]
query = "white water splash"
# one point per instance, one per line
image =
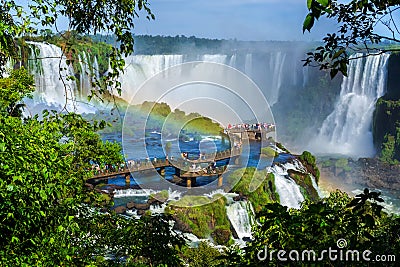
(241, 216)
(289, 192)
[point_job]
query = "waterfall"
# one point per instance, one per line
(288, 190)
(55, 86)
(248, 65)
(241, 216)
(232, 61)
(52, 85)
(267, 68)
(215, 58)
(139, 68)
(276, 64)
(347, 130)
(84, 75)
(95, 68)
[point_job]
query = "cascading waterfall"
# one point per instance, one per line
(347, 130)
(55, 87)
(241, 216)
(96, 68)
(232, 61)
(289, 192)
(267, 69)
(139, 68)
(52, 86)
(248, 65)
(215, 58)
(84, 75)
(276, 67)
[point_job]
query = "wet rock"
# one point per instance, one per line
(130, 205)
(221, 236)
(181, 226)
(89, 186)
(141, 212)
(120, 209)
(144, 206)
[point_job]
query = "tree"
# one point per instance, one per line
(358, 224)
(48, 216)
(358, 31)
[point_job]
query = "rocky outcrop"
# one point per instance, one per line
(368, 172)
(120, 210)
(304, 181)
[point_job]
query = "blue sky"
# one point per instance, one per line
(228, 19)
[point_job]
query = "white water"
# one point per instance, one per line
(276, 64)
(347, 130)
(139, 68)
(241, 216)
(248, 65)
(271, 71)
(289, 192)
(215, 58)
(54, 86)
(84, 75)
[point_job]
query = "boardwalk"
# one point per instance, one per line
(190, 169)
(183, 168)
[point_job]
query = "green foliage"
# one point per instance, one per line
(357, 21)
(386, 128)
(115, 17)
(343, 163)
(12, 89)
(327, 163)
(310, 162)
(203, 255)
(200, 215)
(258, 186)
(269, 152)
(388, 150)
(318, 226)
(156, 115)
(48, 215)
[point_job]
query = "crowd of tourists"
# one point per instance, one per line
(252, 126)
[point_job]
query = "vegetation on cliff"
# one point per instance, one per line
(386, 130)
(49, 217)
(320, 225)
(310, 162)
(257, 186)
(202, 216)
(156, 116)
(304, 111)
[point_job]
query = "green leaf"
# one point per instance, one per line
(308, 22)
(2, 147)
(43, 194)
(324, 3)
(309, 3)
(338, 53)
(333, 73)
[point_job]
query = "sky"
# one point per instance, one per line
(250, 20)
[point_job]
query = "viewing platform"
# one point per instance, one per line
(189, 169)
(184, 168)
